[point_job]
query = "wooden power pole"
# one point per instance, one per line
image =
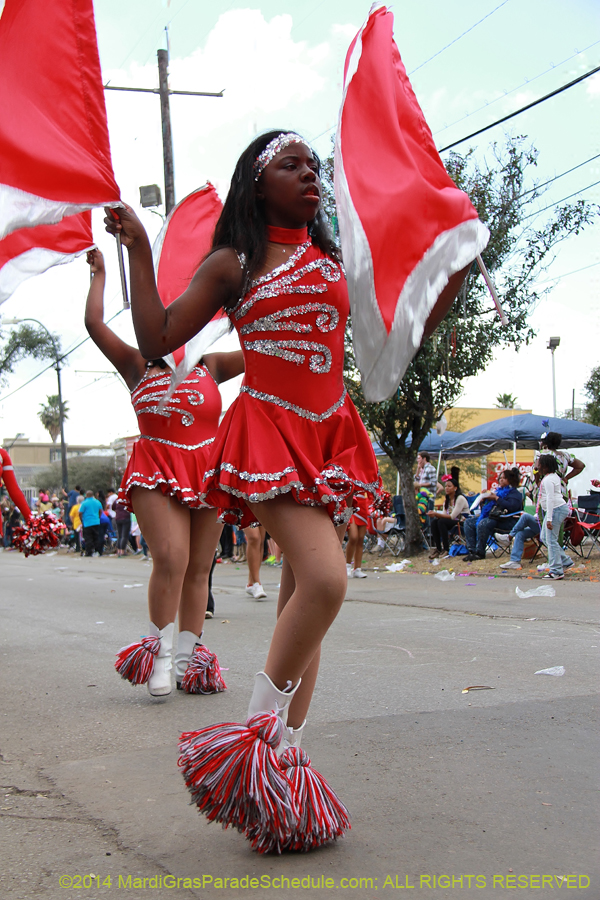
(167, 140)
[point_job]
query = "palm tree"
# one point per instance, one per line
(505, 401)
(49, 415)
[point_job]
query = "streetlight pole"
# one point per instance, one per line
(61, 416)
(552, 344)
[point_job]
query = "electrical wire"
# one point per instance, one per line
(518, 112)
(52, 365)
(456, 39)
(563, 200)
(562, 174)
(518, 87)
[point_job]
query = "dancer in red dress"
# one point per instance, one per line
(7, 475)
(357, 528)
(162, 486)
(289, 454)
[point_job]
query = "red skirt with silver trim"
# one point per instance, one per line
(174, 471)
(263, 450)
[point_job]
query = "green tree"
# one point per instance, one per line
(22, 342)
(505, 401)
(93, 473)
(521, 246)
(49, 415)
(591, 413)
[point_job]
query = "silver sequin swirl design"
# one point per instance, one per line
(146, 392)
(319, 362)
(148, 437)
(274, 147)
(288, 284)
(291, 407)
(327, 320)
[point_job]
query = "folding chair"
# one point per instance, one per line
(588, 519)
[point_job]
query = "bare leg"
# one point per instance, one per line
(313, 586)
(255, 540)
(205, 532)
(351, 543)
(165, 523)
(361, 530)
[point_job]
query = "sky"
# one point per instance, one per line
(280, 65)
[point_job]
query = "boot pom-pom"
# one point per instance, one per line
(323, 816)
(135, 662)
(232, 773)
(203, 674)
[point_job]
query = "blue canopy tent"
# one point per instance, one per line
(522, 432)
(434, 443)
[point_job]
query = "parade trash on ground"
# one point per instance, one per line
(553, 670)
(543, 591)
(445, 575)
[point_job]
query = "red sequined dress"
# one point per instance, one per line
(293, 427)
(175, 438)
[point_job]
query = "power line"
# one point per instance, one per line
(563, 200)
(517, 112)
(566, 274)
(420, 66)
(562, 174)
(527, 81)
(51, 366)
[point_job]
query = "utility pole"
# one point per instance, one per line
(164, 92)
(165, 115)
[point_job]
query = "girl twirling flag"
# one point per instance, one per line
(408, 233)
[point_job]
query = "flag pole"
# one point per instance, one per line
(126, 304)
(491, 288)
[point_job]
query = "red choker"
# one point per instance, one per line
(287, 235)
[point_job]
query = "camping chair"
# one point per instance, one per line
(393, 539)
(501, 547)
(584, 534)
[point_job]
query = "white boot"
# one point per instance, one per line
(292, 736)
(187, 642)
(159, 683)
(267, 698)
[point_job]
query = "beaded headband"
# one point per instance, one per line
(273, 148)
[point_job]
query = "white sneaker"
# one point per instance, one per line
(349, 570)
(502, 538)
(511, 565)
(256, 590)
(358, 573)
(545, 567)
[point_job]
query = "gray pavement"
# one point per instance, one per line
(489, 785)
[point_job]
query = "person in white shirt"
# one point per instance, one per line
(556, 511)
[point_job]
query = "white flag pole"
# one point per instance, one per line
(491, 288)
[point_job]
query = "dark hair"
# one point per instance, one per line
(455, 473)
(513, 476)
(242, 224)
(547, 462)
(553, 440)
(424, 454)
(457, 492)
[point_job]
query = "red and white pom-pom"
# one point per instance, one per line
(136, 661)
(203, 674)
(41, 533)
(323, 816)
(232, 773)
(382, 504)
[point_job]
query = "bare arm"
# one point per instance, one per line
(223, 366)
(128, 361)
(216, 284)
(577, 467)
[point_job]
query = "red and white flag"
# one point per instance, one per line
(30, 251)
(182, 244)
(405, 227)
(54, 149)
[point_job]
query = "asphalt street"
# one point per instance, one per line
(488, 793)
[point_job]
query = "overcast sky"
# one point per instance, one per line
(280, 64)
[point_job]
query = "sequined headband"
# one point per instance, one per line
(273, 148)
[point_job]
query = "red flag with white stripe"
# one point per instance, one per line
(54, 149)
(31, 251)
(406, 229)
(182, 244)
